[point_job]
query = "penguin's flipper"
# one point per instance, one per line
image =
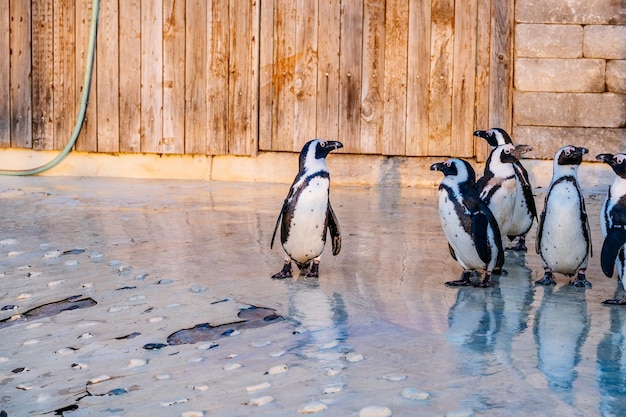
(480, 223)
(539, 232)
(615, 239)
(280, 216)
(587, 229)
(451, 249)
(527, 188)
(333, 227)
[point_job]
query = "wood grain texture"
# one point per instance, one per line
(217, 61)
(396, 57)
(418, 79)
(373, 80)
(483, 62)
(5, 78)
(351, 53)
(196, 77)
(21, 112)
(173, 137)
(88, 136)
(64, 72)
(130, 75)
(328, 70)
(501, 76)
(151, 76)
(108, 60)
(266, 74)
(42, 74)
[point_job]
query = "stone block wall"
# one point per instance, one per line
(570, 75)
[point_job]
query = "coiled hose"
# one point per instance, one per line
(80, 117)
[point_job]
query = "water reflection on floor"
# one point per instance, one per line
(511, 350)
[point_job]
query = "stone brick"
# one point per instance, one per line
(598, 12)
(560, 75)
(605, 42)
(616, 76)
(570, 109)
(549, 41)
(547, 140)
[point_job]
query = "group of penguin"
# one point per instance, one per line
(477, 216)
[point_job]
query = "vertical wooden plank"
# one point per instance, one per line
(42, 70)
(151, 75)
(501, 77)
(21, 111)
(242, 81)
(266, 89)
(195, 77)
(64, 72)
(5, 70)
(88, 137)
(329, 25)
(483, 60)
(217, 82)
(108, 108)
(284, 67)
(440, 102)
(418, 78)
(305, 72)
(396, 59)
(130, 75)
(372, 88)
(351, 49)
(463, 79)
(173, 140)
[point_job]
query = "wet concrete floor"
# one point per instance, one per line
(377, 333)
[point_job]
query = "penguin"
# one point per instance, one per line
(563, 235)
(525, 212)
(613, 223)
(471, 229)
(498, 186)
(306, 214)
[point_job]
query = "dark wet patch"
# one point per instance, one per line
(129, 336)
(60, 411)
(154, 346)
(9, 307)
(19, 370)
(73, 252)
(252, 316)
(128, 287)
(49, 309)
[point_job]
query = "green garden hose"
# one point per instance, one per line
(80, 118)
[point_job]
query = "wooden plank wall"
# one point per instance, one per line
(234, 77)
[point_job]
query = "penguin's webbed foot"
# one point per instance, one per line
(286, 272)
(581, 281)
(486, 282)
(548, 279)
(465, 280)
(313, 271)
(615, 302)
(520, 246)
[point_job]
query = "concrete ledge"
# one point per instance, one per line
(276, 167)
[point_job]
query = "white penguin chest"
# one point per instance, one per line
(502, 202)
(563, 243)
(308, 223)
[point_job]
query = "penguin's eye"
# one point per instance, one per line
(507, 151)
(568, 151)
(619, 158)
(323, 144)
(448, 163)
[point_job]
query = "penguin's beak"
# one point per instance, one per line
(520, 150)
(606, 158)
(582, 150)
(331, 145)
(489, 137)
(437, 167)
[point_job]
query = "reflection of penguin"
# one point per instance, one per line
(498, 186)
(307, 214)
(563, 236)
(611, 367)
(486, 322)
(613, 223)
(470, 227)
(525, 209)
(561, 327)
